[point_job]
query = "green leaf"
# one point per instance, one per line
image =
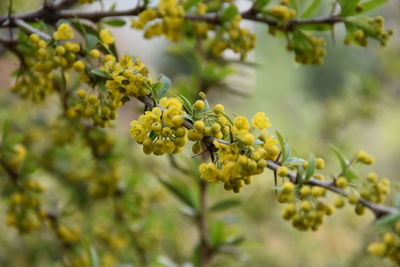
(191, 3)
(235, 241)
(311, 9)
(188, 117)
(91, 41)
(180, 191)
(186, 104)
(217, 233)
(259, 4)
(364, 23)
(101, 73)
(288, 151)
(388, 220)
(115, 22)
(5, 131)
(229, 12)
(224, 204)
(165, 85)
(295, 160)
(348, 7)
(113, 7)
(369, 5)
(196, 256)
(294, 4)
(94, 260)
(282, 145)
(310, 168)
(83, 28)
(344, 162)
(350, 175)
(157, 86)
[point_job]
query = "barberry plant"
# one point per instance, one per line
(68, 56)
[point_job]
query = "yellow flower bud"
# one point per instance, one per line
(94, 53)
(79, 66)
(282, 171)
(320, 163)
(199, 105)
(219, 108)
(199, 125)
(34, 38)
(247, 139)
(341, 182)
(287, 187)
(377, 249)
(81, 93)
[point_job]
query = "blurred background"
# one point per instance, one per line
(351, 101)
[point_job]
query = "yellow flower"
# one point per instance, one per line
(170, 114)
(94, 53)
(219, 108)
(208, 171)
(240, 125)
(342, 182)
(320, 163)
(79, 66)
(64, 32)
(247, 139)
(377, 249)
(260, 121)
(106, 37)
(137, 131)
(365, 158)
(282, 171)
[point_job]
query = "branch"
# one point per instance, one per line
(378, 210)
(47, 12)
(28, 28)
(53, 13)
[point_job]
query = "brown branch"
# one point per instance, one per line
(47, 12)
(205, 249)
(378, 210)
(52, 13)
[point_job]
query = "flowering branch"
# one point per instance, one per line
(54, 12)
(378, 210)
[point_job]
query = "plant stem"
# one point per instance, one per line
(205, 251)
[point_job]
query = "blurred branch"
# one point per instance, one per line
(54, 12)
(28, 28)
(47, 12)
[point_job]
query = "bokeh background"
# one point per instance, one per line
(351, 101)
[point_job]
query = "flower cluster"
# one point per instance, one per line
(303, 207)
(161, 130)
(388, 246)
(359, 31)
(129, 78)
(38, 79)
(282, 12)
(375, 189)
(24, 212)
(308, 49)
(236, 162)
(210, 124)
(233, 37)
(166, 19)
(67, 235)
(94, 107)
